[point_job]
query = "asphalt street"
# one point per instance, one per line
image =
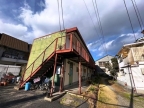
(11, 98)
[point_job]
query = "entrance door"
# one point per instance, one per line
(71, 73)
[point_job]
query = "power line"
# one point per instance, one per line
(90, 17)
(97, 21)
(139, 14)
(136, 14)
(59, 14)
(96, 14)
(100, 26)
(129, 19)
(62, 15)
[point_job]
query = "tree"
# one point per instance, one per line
(115, 67)
(108, 65)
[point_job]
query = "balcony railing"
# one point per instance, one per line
(136, 54)
(79, 47)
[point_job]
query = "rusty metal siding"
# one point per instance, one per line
(14, 43)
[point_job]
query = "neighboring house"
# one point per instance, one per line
(131, 64)
(13, 51)
(14, 54)
(62, 56)
(101, 69)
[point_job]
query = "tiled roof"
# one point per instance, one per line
(14, 43)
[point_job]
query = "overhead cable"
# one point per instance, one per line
(130, 20)
(62, 15)
(137, 15)
(59, 15)
(90, 17)
(100, 26)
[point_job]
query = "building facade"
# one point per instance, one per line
(14, 54)
(13, 51)
(131, 64)
(101, 67)
(62, 56)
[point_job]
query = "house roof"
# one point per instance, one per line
(104, 57)
(11, 42)
(126, 47)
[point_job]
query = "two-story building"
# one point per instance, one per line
(14, 54)
(61, 56)
(101, 64)
(131, 64)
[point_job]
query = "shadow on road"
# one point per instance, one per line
(18, 101)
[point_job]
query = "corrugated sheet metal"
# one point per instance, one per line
(14, 43)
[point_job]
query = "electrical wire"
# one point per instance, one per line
(98, 22)
(96, 14)
(101, 29)
(136, 14)
(59, 15)
(130, 20)
(62, 15)
(90, 17)
(139, 14)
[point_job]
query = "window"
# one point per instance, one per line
(102, 64)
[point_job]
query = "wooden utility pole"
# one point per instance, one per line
(133, 79)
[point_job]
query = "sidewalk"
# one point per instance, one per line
(73, 99)
(72, 89)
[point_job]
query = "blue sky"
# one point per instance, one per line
(29, 19)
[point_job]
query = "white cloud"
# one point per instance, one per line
(116, 44)
(17, 30)
(112, 13)
(41, 4)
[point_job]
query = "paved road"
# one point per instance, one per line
(10, 98)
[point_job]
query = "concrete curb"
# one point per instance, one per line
(55, 96)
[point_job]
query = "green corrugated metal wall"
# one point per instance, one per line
(39, 45)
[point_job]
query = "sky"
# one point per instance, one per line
(29, 19)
